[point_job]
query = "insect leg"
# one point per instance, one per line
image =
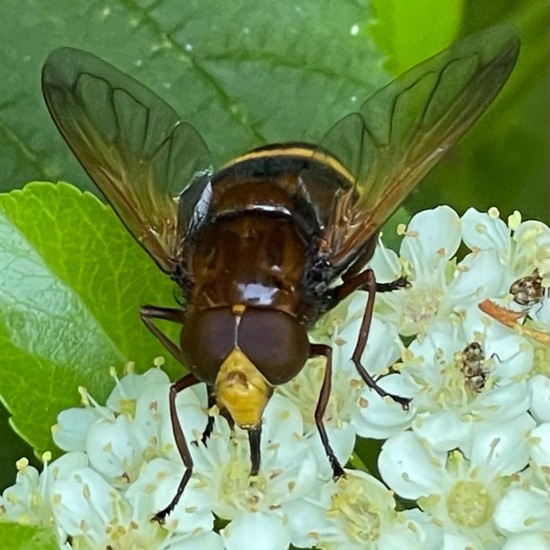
(398, 284)
(254, 440)
(148, 313)
(359, 282)
(207, 432)
(187, 381)
(177, 316)
(324, 394)
(366, 281)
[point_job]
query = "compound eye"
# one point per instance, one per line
(206, 339)
(275, 342)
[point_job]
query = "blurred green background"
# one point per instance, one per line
(250, 72)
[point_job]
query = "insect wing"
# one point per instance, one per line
(130, 142)
(405, 128)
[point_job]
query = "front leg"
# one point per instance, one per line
(322, 401)
(358, 282)
(181, 443)
(367, 281)
(148, 313)
(207, 432)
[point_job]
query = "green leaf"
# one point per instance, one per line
(503, 161)
(409, 32)
(258, 71)
(72, 280)
(11, 449)
(366, 451)
(250, 73)
(25, 537)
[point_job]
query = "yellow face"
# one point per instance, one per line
(242, 389)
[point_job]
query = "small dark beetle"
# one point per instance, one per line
(473, 366)
(528, 291)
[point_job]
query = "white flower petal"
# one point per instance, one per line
(111, 447)
(251, 531)
(342, 442)
(527, 541)
(16, 502)
(204, 541)
(307, 517)
(378, 417)
(296, 480)
(282, 423)
(479, 230)
(382, 349)
(155, 489)
(132, 385)
(385, 264)
(151, 411)
(430, 535)
(442, 430)
(540, 313)
(502, 446)
(358, 509)
(540, 398)
(533, 245)
(477, 322)
(479, 276)
(417, 531)
(522, 510)
(455, 541)
(82, 502)
(66, 464)
(72, 427)
(409, 467)
(540, 444)
(433, 237)
(512, 356)
(439, 344)
(505, 402)
(217, 449)
(153, 423)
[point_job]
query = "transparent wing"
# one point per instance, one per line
(405, 128)
(131, 143)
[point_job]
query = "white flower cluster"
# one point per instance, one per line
(466, 467)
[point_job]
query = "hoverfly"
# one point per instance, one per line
(265, 245)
